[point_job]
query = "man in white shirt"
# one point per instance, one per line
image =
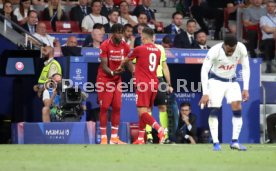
(93, 18)
(221, 63)
(42, 35)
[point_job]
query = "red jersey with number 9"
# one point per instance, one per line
(147, 60)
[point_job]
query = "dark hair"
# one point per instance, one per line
(191, 20)
(142, 13)
(230, 40)
(185, 104)
(123, 1)
(127, 26)
(56, 74)
(117, 28)
(21, 8)
(113, 10)
(93, 2)
(32, 11)
(98, 26)
(148, 31)
(176, 13)
(166, 39)
(199, 31)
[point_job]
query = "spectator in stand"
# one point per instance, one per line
(96, 37)
(7, 11)
(201, 40)
(125, 17)
(78, 12)
(89, 40)
(175, 27)
(42, 35)
(108, 5)
(113, 19)
(54, 12)
(166, 42)
(93, 18)
(186, 39)
(71, 47)
(251, 19)
(142, 19)
(186, 129)
(210, 9)
(22, 11)
(128, 35)
(145, 8)
(138, 41)
(268, 28)
(32, 20)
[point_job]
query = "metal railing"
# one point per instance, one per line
(29, 39)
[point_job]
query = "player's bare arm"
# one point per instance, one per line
(167, 76)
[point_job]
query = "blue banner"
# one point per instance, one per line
(54, 133)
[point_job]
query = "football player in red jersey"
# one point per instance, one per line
(147, 59)
(112, 52)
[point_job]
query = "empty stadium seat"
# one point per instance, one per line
(67, 26)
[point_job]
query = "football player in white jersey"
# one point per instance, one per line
(218, 77)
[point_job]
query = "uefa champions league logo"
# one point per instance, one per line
(19, 66)
(78, 71)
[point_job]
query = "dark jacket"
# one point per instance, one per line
(105, 10)
(46, 16)
(182, 129)
(76, 14)
(140, 8)
(107, 28)
(26, 27)
(168, 30)
(198, 47)
(182, 41)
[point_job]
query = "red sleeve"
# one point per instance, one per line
(103, 50)
(134, 53)
(127, 51)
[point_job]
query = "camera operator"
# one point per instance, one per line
(51, 99)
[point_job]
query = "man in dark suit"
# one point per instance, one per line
(108, 5)
(186, 129)
(113, 19)
(186, 39)
(30, 25)
(78, 12)
(201, 40)
(145, 8)
(175, 27)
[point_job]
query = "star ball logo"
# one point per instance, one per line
(19, 66)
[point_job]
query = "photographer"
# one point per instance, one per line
(186, 129)
(51, 99)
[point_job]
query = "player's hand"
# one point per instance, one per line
(119, 71)
(245, 95)
(204, 100)
(170, 89)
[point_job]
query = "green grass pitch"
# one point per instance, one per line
(135, 157)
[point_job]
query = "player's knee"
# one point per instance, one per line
(104, 108)
(236, 106)
(214, 112)
(237, 113)
(116, 109)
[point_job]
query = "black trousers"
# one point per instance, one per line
(271, 127)
(268, 48)
(205, 11)
(252, 39)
